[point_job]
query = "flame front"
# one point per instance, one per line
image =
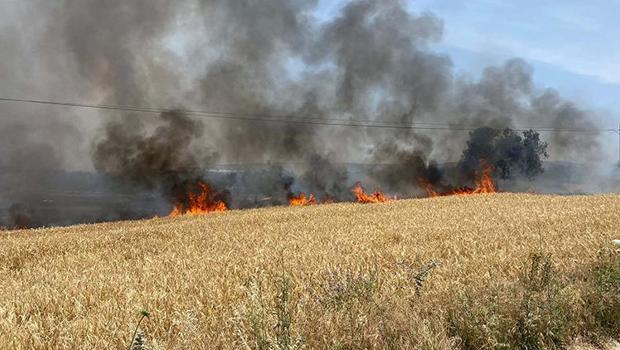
(484, 184)
(301, 200)
(205, 200)
(363, 197)
(199, 203)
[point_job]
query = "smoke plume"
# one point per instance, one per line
(166, 159)
(372, 62)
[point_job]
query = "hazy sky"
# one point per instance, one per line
(572, 44)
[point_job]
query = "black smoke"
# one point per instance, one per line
(372, 62)
(20, 216)
(165, 158)
(325, 179)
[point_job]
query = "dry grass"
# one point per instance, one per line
(217, 281)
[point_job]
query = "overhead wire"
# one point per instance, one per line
(310, 121)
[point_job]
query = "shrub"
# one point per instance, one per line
(263, 325)
(543, 318)
(603, 299)
(529, 314)
(479, 322)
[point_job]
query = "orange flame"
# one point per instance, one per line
(363, 197)
(199, 203)
(484, 184)
(429, 189)
(301, 200)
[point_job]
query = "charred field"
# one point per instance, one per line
(457, 272)
(72, 198)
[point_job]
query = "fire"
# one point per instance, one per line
(202, 202)
(302, 200)
(429, 188)
(484, 184)
(363, 197)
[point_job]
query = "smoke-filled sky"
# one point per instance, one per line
(75, 51)
(464, 65)
(392, 60)
(571, 44)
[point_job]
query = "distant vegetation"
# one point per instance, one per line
(497, 271)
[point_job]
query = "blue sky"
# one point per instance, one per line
(573, 45)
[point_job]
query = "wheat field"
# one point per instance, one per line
(339, 274)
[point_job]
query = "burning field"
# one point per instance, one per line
(257, 175)
(448, 272)
(179, 114)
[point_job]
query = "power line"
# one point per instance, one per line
(290, 119)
